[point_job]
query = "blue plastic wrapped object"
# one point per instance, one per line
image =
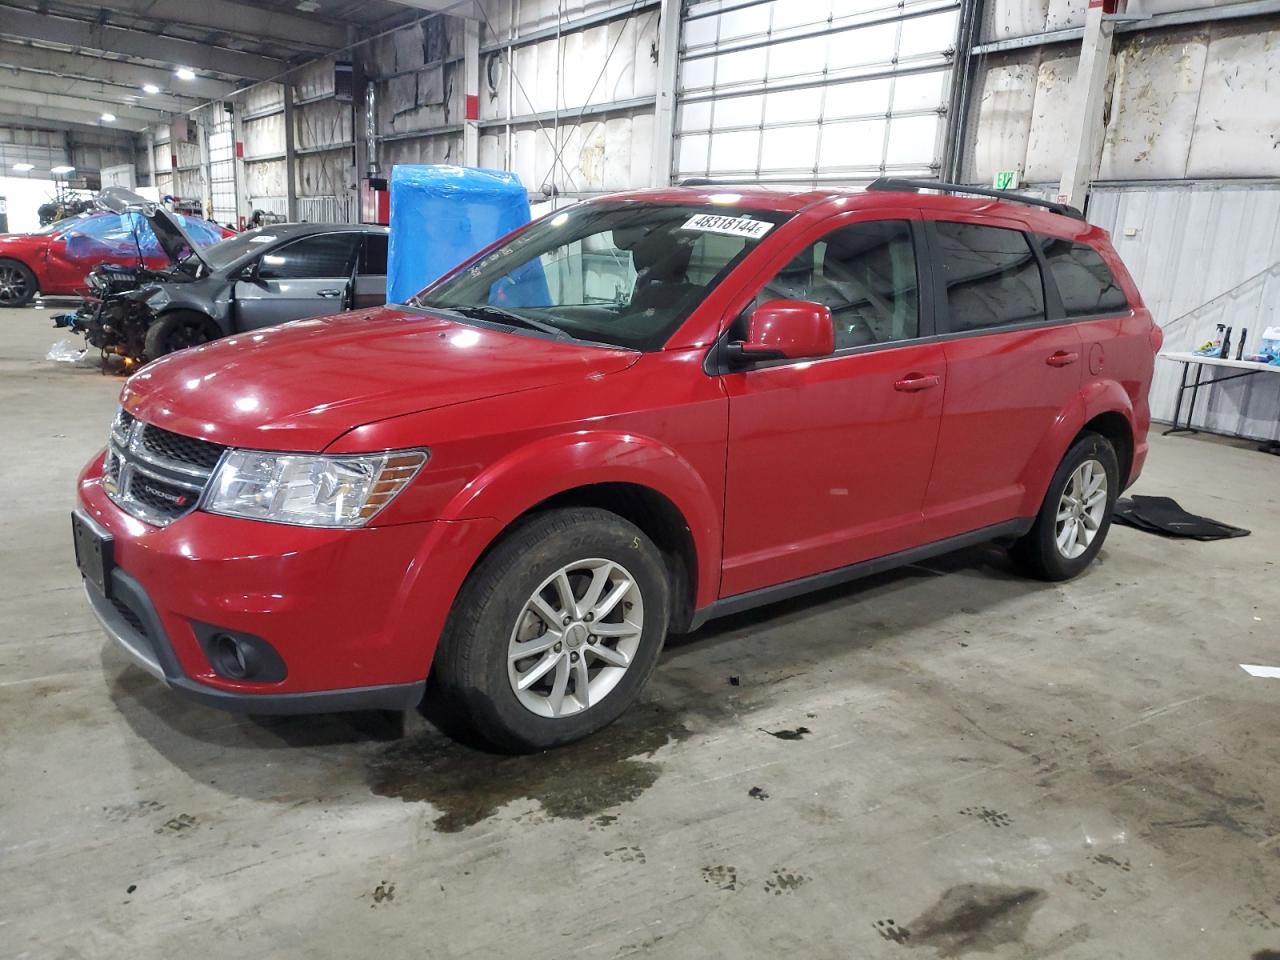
(441, 215)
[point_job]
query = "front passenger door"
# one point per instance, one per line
(307, 277)
(829, 459)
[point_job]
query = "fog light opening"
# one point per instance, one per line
(230, 657)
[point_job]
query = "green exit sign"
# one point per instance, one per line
(1005, 180)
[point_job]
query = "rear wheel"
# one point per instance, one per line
(178, 331)
(17, 284)
(556, 630)
(1076, 513)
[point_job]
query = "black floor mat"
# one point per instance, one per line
(1164, 516)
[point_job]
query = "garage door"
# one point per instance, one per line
(837, 90)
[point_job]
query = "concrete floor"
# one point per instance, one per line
(948, 758)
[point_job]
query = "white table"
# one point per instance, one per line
(1244, 368)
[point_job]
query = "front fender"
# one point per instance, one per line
(556, 464)
(1094, 399)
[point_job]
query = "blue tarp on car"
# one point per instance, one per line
(441, 215)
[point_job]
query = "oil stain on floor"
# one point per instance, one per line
(974, 917)
(467, 785)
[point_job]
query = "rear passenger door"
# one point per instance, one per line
(1012, 368)
(371, 273)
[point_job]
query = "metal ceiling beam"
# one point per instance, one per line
(108, 95)
(125, 116)
(54, 122)
(28, 25)
(457, 8)
(229, 16)
(55, 119)
(118, 72)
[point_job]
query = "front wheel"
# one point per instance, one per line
(178, 331)
(1076, 513)
(556, 630)
(17, 284)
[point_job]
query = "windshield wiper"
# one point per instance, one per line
(487, 312)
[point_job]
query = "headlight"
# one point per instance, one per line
(313, 491)
(157, 299)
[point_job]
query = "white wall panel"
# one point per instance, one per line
(1203, 254)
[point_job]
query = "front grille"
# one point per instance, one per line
(174, 446)
(129, 616)
(154, 474)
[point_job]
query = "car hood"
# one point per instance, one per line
(300, 386)
(173, 239)
(27, 241)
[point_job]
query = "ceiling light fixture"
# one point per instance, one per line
(62, 169)
(108, 118)
(150, 88)
(184, 73)
(24, 167)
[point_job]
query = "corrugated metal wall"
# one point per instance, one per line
(1204, 254)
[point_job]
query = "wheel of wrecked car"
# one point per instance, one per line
(556, 630)
(178, 331)
(17, 284)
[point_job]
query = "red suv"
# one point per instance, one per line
(619, 421)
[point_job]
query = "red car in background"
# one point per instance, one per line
(53, 261)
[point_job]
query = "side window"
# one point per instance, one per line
(991, 276)
(1084, 280)
(311, 258)
(866, 275)
(373, 255)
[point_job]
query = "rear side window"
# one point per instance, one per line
(1085, 282)
(373, 255)
(991, 275)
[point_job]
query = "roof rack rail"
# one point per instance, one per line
(899, 185)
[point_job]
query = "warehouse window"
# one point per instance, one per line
(991, 276)
(1085, 282)
(866, 275)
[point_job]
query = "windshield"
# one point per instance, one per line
(228, 251)
(626, 274)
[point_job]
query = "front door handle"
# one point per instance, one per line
(1061, 358)
(913, 382)
(329, 294)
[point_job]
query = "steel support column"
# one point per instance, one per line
(290, 155)
(1084, 154)
(471, 91)
(664, 111)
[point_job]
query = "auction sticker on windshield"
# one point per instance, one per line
(730, 226)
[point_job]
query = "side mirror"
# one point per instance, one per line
(249, 273)
(785, 330)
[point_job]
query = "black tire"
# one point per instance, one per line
(178, 331)
(18, 285)
(470, 672)
(1038, 552)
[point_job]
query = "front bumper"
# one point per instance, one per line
(353, 614)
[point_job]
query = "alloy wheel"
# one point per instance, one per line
(1081, 509)
(13, 285)
(575, 638)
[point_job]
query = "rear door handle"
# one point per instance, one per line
(913, 382)
(328, 294)
(1061, 358)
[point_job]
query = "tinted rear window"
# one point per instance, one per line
(1085, 282)
(373, 255)
(991, 275)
